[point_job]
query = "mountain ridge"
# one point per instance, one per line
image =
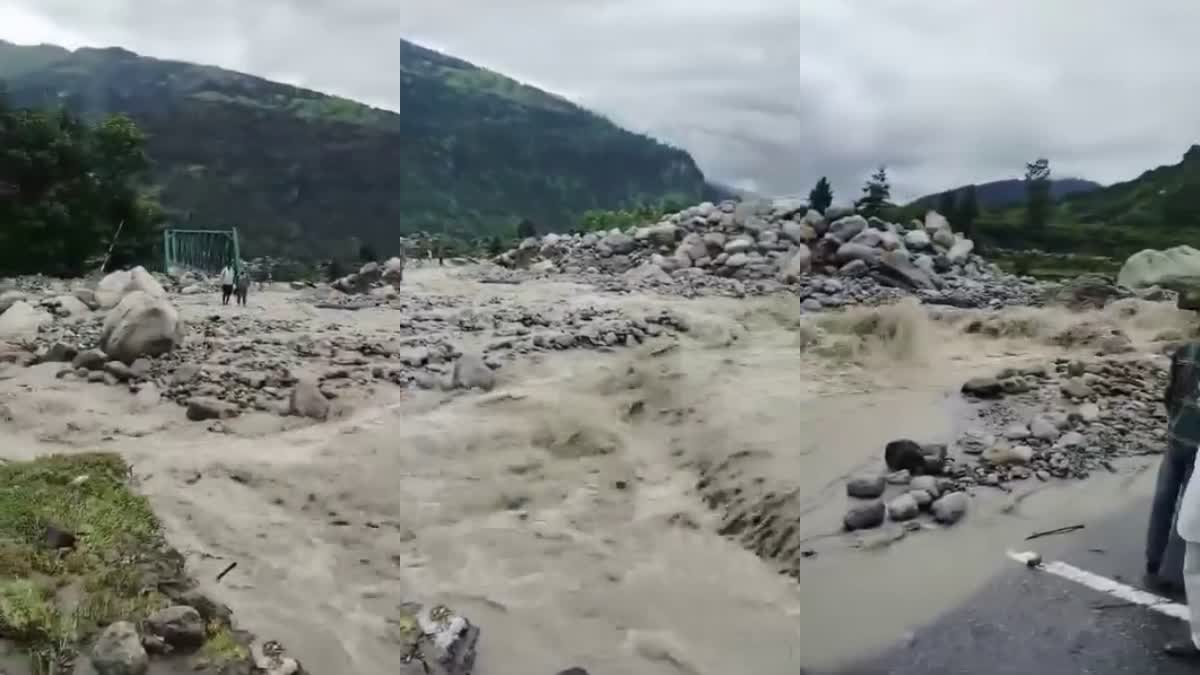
(1007, 192)
(300, 171)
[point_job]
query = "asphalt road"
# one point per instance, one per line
(1027, 622)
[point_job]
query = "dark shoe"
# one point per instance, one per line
(1183, 649)
(1157, 584)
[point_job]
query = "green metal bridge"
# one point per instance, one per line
(205, 250)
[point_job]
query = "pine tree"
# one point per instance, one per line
(821, 196)
(526, 229)
(877, 194)
(1037, 193)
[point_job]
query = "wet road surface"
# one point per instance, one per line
(1029, 621)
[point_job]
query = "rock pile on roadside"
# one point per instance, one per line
(1064, 420)
(782, 242)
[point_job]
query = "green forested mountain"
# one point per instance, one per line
(1159, 208)
(301, 173)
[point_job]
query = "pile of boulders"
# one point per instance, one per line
(386, 278)
(783, 242)
(1064, 420)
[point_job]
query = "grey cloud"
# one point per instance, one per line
(773, 93)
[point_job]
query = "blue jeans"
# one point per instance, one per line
(1164, 547)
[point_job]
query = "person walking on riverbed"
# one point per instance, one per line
(226, 284)
(243, 287)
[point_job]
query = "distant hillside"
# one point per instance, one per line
(1160, 208)
(1001, 194)
(299, 172)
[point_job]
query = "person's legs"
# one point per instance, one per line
(1172, 476)
(226, 290)
(1190, 647)
(1170, 570)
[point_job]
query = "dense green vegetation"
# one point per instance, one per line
(67, 188)
(1158, 209)
(298, 172)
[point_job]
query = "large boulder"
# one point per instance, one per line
(1089, 291)
(116, 285)
(119, 651)
(308, 401)
(936, 222)
(619, 243)
(845, 229)
(23, 320)
(10, 298)
(960, 250)
(1174, 267)
(140, 325)
(797, 264)
(471, 372)
(393, 271)
(895, 268)
(369, 273)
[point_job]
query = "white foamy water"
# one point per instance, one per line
(570, 529)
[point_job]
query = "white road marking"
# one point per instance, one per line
(1106, 585)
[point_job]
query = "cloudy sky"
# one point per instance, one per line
(768, 94)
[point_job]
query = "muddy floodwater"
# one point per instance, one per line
(560, 511)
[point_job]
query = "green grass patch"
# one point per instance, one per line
(222, 646)
(54, 600)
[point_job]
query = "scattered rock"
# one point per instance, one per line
(904, 507)
(179, 626)
(950, 508)
(471, 372)
(119, 651)
(904, 455)
(865, 517)
(866, 488)
(308, 401)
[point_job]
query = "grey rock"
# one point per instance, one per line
(619, 243)
(1042, 428)
(951, 508)
(925, 483)
(865, 517)
(471, 372)
(983, 387)
(845, 229)
(140, 325)
(92, 359)
(1076, 388)
(902, 477)
(307, 400)
(918, 240)
(119, 651)
(922, 498)
(1016, 432)
(1071, 439)
(903, 508)
(201, 408)
(866, 488)
(179, 626)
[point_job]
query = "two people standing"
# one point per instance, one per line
(232, 283)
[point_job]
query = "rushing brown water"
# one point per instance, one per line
(560, 512)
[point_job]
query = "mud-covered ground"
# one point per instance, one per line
(569, 510)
